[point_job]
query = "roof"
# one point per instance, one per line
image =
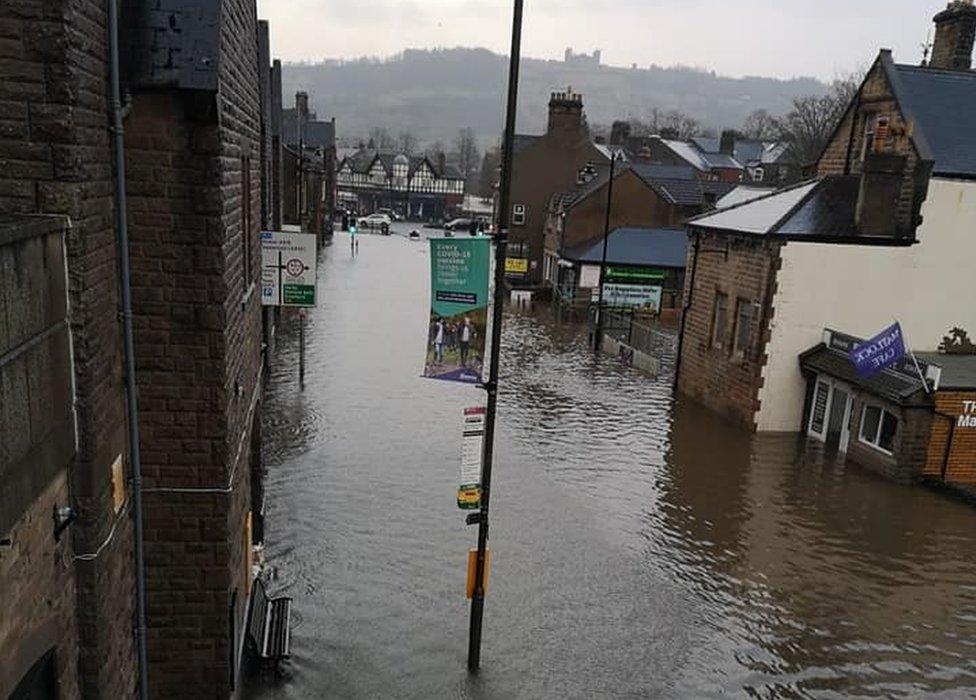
(656, 170)
(688, 153)
(889, 385)
(721, 160)
(610, 150)
(816, 210)
(741, 194)
(523, 142)
(958, 371)
(941, 104)
(658, 247)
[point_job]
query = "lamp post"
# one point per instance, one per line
(598, 335)
(501, 239)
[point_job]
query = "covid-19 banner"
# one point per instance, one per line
(459, 299)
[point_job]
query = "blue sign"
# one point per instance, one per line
(879, 353)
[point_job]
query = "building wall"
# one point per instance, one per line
(56, 158)
(740, 267)
(634, 204)
(906, 462)
(863, 289)
(961, 464)
(876, 98)
(550, 165)
(198, 331)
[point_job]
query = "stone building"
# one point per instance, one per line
(543, 166)
(884, 232)
(196, 148)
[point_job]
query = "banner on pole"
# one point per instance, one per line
(472, 451)
(459, 299)
(879, 353)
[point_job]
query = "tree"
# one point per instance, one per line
(813, 119)
(435, 150)
(407, 143)
(490, 165)
(381, 139)
(762, 126)
(673, 125)
(467, 151)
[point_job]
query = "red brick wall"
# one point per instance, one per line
(962, 456)
(739, 267)
(55, 157)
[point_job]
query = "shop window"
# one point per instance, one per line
(518, 215)
(720, 317)
(745, 314)
(878, 428)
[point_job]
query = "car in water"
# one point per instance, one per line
(377, 220)
(458, 225)
(394, 216)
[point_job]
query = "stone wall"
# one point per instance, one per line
(740, 267)
(906, 462)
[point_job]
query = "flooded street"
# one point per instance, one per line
(641, 548)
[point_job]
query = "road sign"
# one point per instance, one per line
(288, 269)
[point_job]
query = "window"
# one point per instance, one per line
(878, 428)
(745, 314)
(518, 215)
(247, 252)
(720, 316)
(876, 128)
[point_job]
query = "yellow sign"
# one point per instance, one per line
(469, 497)
(516, 266)
(472, 564)
(118, 484)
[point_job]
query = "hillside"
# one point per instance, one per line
(433, 93)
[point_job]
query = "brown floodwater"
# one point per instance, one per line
(641, 547)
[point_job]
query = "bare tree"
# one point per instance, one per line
(381, 139)
(490, 166)
(762, 126)
(674, 124)
(435, 150)
(813, 119)
(407, 143)
(466, 145)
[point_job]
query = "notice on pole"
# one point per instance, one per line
(288, 269)
(472, 446)
(459, 303)
(630, 296)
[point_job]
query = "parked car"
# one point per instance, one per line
(394, 216)
(458, 225)
(377, 220)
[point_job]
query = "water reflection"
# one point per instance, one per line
(642, 548)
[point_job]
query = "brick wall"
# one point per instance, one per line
(876, 98)
(961, 465)
(740, 267)
(55, 157)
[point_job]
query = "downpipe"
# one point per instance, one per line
(132, 398)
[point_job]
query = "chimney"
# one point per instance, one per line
(565, 112)
(727, 145)
(441, 164)
(619, 133)
(301, 115)
(955, 33)
(877, 201)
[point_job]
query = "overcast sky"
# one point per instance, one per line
(782, 38)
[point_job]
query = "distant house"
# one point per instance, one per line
(885, 232)
(309, 147)
(414, 186)
(543, 166)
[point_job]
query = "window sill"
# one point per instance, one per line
(876, 448)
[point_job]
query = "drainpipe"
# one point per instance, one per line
(696, 246)
(130, 362)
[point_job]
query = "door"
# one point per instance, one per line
(840, 407)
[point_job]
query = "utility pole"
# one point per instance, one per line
(501, 241)
(598, 335)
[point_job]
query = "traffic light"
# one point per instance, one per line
(353, 225)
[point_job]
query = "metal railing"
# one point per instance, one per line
(639, 330)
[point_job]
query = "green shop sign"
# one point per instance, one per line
(636, 274)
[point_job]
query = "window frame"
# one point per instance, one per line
(718, 342)
(519, 214)
(875, 443)
(741, 303)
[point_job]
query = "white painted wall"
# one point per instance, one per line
(930, 288)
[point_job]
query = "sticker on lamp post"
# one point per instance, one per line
(472, 447)
(288, 269)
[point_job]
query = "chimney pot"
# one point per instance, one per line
(955, 35)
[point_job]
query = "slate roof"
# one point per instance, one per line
(895, 387)
(688, 153)
(523, 142)
(362, 162)
(958, 371)
(671, 172)
(675, 184)
(815, 210)
(942, 104)
(721, 160)
(657, 247)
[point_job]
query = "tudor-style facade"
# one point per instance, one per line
(412, 185)
(885, 232)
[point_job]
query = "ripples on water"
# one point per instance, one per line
(641, 547)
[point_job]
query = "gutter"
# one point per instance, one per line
(132, 397)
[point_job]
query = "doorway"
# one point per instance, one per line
(837, 425)
(830, 414)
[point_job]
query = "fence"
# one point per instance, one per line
(640, 331)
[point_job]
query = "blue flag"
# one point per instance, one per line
(882, 351)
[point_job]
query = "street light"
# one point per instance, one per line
(598, 335)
